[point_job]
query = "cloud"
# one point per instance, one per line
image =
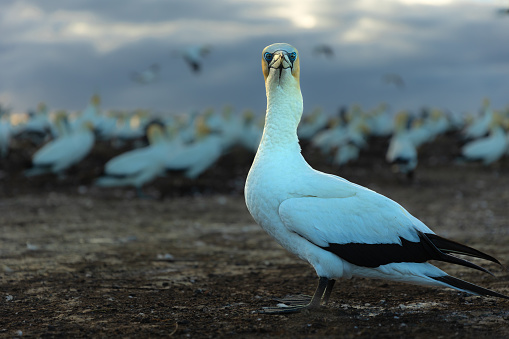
(450, 53)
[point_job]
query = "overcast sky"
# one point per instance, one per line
(450, 54)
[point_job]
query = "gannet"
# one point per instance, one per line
(480, 125)
(323, 49)
(488, 149)
(402, 151)
(139, 166)
(194, 55)
(312, 124)
(147, 76)
(394, 79)
(63, 152)
(251, 131)
(380, 122)
(340, 228)
(198, 156)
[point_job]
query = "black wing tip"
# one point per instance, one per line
(468, 287)
(450, 246)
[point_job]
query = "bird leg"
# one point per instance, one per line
(301, 299)
(328, 291)
(294, 304)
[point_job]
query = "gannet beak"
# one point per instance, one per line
(280, 61)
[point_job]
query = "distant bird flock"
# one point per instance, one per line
(193, 142)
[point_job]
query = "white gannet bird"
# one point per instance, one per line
(340, 228)
(480, 125)
(197, 157)
(194, 55)
(488, 149)
(63, 152)
(139, 166)
(147, 76)
(402, 151)
(312, 124)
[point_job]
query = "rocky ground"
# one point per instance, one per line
(79, 261)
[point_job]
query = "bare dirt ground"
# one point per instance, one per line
(79, 261)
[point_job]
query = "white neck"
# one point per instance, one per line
(284, 111)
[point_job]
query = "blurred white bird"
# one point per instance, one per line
(312, 124)
(147, 76)
(345, 154)
(139, 166)
(488, 149)
(323, 49)
(193, 56)
(197, 157)
(380, 122)
(402, 153)
(251, 131)
(91, 113)
(61, 153)
(479, 126)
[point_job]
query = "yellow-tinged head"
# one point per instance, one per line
(280, 64)
(401, 120)
(202, 129)
(155, 133)
(87, 125)
(95, 100)
(41, 107)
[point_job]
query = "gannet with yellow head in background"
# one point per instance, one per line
(141, 165)
(340, 228)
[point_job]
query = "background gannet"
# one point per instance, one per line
(147, 76)
(490, 148)
(139, 166)
(61, 153)
(193, 56)
(198, 156)
(402, 151)
(340, 228)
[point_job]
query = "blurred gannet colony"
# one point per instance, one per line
(188, 144)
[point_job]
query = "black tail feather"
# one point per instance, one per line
(440, 254)
(469, 287)
(449, 246)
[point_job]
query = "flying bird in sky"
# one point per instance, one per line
(394, 79)
(324, 49)
(148, 75)
(193, 56)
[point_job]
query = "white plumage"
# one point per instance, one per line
(402, 151)
(139, 166)
(63, 152)
(340, 228)
(198, 156)
(488, 149)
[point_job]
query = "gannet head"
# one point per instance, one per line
(155, 133)
(95, 100)
(280, 64)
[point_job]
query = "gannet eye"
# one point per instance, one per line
(268, 56)
(292, 56)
